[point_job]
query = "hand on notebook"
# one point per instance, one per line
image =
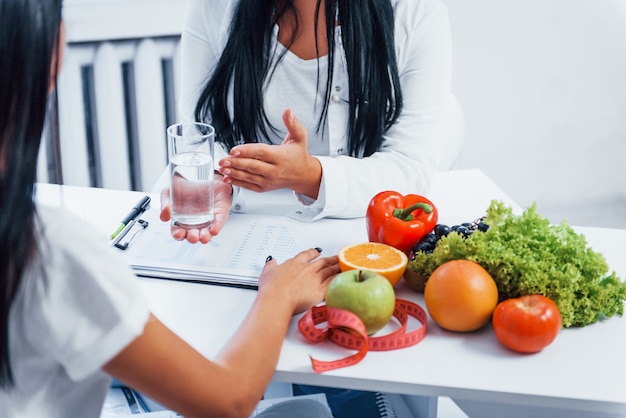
(223, 193)
(300, 281)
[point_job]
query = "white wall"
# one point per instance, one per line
(543, 85)
(93, 20)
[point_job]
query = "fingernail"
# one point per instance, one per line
(268, 259)
(319, 250)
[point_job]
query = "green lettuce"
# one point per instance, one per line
(525, 254)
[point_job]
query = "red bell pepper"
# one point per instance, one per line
(400, 221)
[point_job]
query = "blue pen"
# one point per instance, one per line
(137, 210)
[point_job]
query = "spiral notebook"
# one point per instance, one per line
(345, 403)
(375, 405)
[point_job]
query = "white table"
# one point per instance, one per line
(582, 374)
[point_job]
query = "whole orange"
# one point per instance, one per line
(460, 295)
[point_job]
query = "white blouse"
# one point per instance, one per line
(78, 306)
(413, 148)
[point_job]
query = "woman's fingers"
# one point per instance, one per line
(166, 208)
(325, 267)
(296, 132)
(308, 255)
(203, 235)
(252, 153)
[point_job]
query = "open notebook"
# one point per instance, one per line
(237, 255)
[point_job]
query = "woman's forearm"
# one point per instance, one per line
(251, 355)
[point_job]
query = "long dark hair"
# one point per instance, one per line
(375, 99)
(30, 34)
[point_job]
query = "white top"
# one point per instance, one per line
(78, 306)
(412, 148)
(294, 85)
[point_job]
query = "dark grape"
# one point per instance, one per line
(431, 238)
(428, 243)
(441, 230)
(423, 246)
(463, 230)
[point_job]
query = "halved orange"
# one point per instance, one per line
(381, 258)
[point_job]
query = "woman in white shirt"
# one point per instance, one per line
(71, 312)
(368, 82)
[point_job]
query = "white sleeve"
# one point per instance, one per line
(204, 32)
(88, 306)
(414, 145)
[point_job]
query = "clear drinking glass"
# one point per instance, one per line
(191, 174)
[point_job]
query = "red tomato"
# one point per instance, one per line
(527, 324)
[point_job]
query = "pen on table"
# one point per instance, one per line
(137, 210)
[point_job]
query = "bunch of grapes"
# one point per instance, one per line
(428, 243)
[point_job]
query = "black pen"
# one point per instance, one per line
(137, 210)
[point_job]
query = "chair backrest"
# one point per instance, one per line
(115, 96)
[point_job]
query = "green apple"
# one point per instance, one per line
(365, 293)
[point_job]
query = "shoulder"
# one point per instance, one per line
(79, 295)
(412, 12)
(214, 14)
(207, 22)
(211, 9)
(419, 25)
(74, 254)
(64, 235)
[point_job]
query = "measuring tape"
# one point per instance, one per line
(347, 330)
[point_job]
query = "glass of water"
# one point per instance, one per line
(191, 174)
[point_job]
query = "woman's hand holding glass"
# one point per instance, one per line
(263, 167)
(223, 192)
(256, 167)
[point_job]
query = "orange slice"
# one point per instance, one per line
(381, 258)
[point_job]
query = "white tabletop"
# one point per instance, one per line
(583, 370)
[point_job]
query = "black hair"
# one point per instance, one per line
(30, 37)
(367, 30)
